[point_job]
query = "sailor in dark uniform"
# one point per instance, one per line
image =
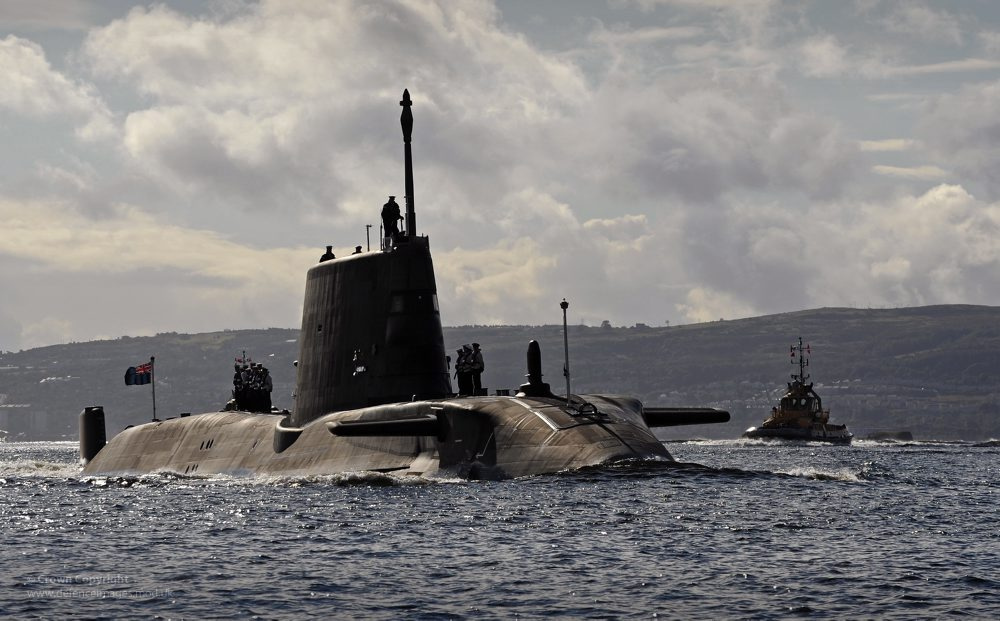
(476, 368)
(266, 385)
(390, 219)
(238, 386)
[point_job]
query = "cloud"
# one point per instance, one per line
(889, 144)
(46, 14)
(922, 173)
(644, 36)
(939, 247)
(951, 66)
(990, 42)
(823, 56)
(703, 304)
(542, 252)
(701, 138)
(45, 331)
(32, 89)
(826, 56)
(924, 23)
(10, 332)
(133, 260)
(132, 240)
(962, 129)
(283, 105)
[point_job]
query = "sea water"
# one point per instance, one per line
(738, 529)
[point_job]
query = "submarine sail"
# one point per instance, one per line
(373, 392)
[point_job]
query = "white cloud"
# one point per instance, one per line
(703, 304)
(924, 23)
(283, 106)
(923, 173)
(132, 240)
(962, 129)
(888, 144)
(45, 331)
(10, 332)
(644, 36)
(823, 56)
(34, 90)
(46, 14)
(952, 66)
(990, 42)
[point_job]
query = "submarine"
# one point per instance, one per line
(373, 393)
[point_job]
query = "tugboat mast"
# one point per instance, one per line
(803, 361)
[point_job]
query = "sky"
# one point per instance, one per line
(178, 166)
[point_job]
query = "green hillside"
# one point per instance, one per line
(934, 371)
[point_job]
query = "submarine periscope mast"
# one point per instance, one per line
(373, 393)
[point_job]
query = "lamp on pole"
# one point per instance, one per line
(564, 305)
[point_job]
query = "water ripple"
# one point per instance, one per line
(731, 530)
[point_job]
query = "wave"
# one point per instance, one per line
(820, 474)
(648, 468)
(32, 468)
(862, 442)
(343, 479)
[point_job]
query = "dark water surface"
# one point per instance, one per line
(762, 531)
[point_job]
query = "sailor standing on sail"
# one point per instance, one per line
(390, 219)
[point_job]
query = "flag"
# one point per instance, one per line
(140, 375)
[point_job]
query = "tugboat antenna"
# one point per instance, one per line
(803, 361)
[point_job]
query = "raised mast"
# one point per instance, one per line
(803, 361)
(406, 121)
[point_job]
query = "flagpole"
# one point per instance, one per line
(152, 373)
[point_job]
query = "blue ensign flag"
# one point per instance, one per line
(140, 375)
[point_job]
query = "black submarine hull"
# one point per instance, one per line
(468, 437)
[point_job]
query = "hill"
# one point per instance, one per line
(933, 370)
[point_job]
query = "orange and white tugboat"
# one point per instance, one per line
(800, 414)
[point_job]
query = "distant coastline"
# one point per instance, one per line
(933, 371)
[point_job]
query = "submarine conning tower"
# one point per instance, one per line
(371, 328)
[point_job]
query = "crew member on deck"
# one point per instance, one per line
(462, 370)
(390, 219)
(238, 386)
(266, 385)
(476, 367)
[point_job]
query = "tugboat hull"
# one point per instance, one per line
(821, 433)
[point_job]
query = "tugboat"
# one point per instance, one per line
(800, 414)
